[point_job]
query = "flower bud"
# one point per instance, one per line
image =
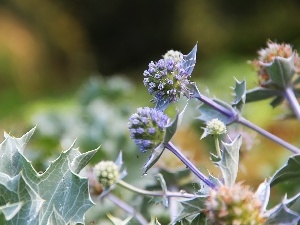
(167, 78)
(215, 127)
(175, 55)
(107, 173)
(147, 128)
(235, 205)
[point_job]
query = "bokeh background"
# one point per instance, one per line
(74, 68)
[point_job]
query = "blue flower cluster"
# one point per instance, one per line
(167, 79)
(147, 128)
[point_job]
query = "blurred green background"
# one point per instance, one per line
(74, 68)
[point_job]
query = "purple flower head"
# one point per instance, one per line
(167, 79)
(149, 132)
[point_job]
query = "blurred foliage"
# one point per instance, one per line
(96, 117)
(49, 48)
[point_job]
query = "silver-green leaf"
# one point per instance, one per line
(230, 161)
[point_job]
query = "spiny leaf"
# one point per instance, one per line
(172, 127)
(276, 101)
(230, 161)
(55, 218)
(10, 153)
(155, 155)
(281, 214)
(10, 210)
(263, 193)
(17, 191)
(58, 194)
(163, 185)
(281, 70)
(60, 188)
(190, 61)
(191, 207)
(291, 170)
(259, 93)
(117, 221)
(170, 131)
(239, 94)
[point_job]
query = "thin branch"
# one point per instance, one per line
(189, 164)
(129, 209)
(168, 194)
(291, 98)
(272, 137)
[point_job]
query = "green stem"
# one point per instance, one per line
(217, 146)
(132, 188)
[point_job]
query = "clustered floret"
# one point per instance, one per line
(215, 127)
(236, 205)
(267, 55)
(147, 128)
(107, 173)
(175, 55)
(167, 79)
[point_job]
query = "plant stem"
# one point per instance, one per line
(218, 107)
(189, 164)
(217, 146)
(129, 209)
(291, 98)
(173, 204)
(235, 118)
(272, 137)
(132, 188)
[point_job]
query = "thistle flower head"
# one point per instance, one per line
(147, 128)
(235, 205)
(167, 78)
(215, 127)
(267, 55)
(107, 173)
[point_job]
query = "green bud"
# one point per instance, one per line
(107, 173)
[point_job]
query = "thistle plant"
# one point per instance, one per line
(219, 200)
(62, 195)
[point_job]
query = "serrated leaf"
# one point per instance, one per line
(170, 131)
(117, 221)
(281, 70)
(163, 185)
(10, 153)
(59, 188)
(259, 93)
(263, 194)
(10, 210)
(81, 160)
(276, 101)
(16, 190)
(281, 214)
(239, 94)
(55, 218)
(191, 208)
(173, 126)
(155, 155)
(190, 61)
(291, 170)
(230, 161)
